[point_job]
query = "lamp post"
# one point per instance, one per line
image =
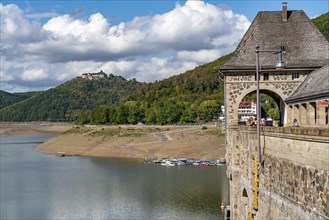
(279, 65)
(258, 106)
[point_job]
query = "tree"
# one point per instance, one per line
(151, 115)
(121, 115)
(274, 113)
(98, 115)
(83, 118)
(134, 112)
(208, 109)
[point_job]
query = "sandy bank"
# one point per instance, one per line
(144, 142)
(33, 129)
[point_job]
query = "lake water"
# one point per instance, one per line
(39, 186)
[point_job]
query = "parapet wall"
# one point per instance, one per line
(293, 178)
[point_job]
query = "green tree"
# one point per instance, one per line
(121, 115)
(134, 112)
(151, 115)
(83, 118)
(208, 109)
(189, 114)
(99, 115)
(274, 113)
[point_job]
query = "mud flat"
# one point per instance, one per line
(142, 142)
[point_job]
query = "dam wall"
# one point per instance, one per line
(292, 180)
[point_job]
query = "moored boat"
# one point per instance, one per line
(168, 163)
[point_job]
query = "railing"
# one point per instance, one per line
(308, 131)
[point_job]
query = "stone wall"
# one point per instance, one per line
(293, 178)
(296, 191)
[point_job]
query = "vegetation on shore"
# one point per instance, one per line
(135, 132)
(112, 132)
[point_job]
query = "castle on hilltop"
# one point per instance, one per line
(92, 76)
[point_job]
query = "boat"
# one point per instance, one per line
(181, 162)
(168, 163)
(221, 161)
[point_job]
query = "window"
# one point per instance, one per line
(295, 76)
(266, 76)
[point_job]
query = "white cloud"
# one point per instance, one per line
(199, 56)
(34, 74)
(64, 46)
(66, 26)
(15, 28)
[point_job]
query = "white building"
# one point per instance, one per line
(247, 110)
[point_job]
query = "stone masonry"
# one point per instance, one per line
(293, 178)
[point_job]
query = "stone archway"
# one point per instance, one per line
(235, 92)
(277, 98)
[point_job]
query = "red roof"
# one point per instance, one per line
(245, 104)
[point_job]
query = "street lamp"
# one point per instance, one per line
(279, 65)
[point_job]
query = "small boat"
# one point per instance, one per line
(221, 161)
(168, 163)
(197, 163)
(181, 162)
(204, 164)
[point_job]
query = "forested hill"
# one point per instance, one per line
(7, 98)
(66, 101)
(322, 23)
(194, 95)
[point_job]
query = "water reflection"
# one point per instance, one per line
(37, 186)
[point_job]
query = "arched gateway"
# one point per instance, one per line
(279, 84)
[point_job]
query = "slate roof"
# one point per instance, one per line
(314, 87)
(304, 43)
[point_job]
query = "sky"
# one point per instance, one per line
(45, 43)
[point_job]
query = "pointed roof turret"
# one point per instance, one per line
(303, 44)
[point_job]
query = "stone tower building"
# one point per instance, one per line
(285, 184)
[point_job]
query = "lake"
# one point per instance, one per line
(40, 186)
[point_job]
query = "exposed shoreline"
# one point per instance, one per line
(137, 142)
(33, 128)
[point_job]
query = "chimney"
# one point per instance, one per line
(284, 12)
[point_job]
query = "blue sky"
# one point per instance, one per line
(124, 10)
(45, 43)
